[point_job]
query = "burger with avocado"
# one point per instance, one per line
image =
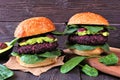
(87, 34)
(87, 37)
(37, 46)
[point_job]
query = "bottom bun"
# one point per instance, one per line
(46, 62)
(96, 51)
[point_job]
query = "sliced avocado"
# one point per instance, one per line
(5, 49)
(83, 33)
(105, 33)
(4, 53)
(37, 40)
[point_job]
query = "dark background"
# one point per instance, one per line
(59, 11)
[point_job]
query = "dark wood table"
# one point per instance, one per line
(59, 11)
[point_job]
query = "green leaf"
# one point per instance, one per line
(14, 54)
(5, 72)
(72, 26)
(70, 29)
(93, 29)
(111, 27)
(90, 71)
(110, 59)
(57, 33)
(31, 59)
(105, 47)
(34, 58)
(81, 47)
(70, 64)
(88, 47)
(51, 54)
(1, 78)
(13, 42)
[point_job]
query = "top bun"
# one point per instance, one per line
(34, 26)
(88, 18)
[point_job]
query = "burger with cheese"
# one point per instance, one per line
(37, 46)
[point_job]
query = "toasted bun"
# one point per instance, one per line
(88, 18)
(47, 61)
(96, 51)
(34, 26)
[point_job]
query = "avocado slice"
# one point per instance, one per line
(7, 48)
(5, 52)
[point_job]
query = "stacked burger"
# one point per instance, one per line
(87, 34)
(37, 46)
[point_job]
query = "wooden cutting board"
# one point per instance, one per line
(112, 70)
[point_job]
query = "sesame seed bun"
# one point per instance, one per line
(34, 26)
(46, 62)
(88, 18)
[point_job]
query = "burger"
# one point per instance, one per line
(37, 45)
(87, 34)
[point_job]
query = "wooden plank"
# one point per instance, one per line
(55, 14)
(101, 76)
(114, 38)
(59, 11)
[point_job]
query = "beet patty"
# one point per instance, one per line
(97, 39)
(37, 48)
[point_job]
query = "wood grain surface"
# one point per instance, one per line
(59, 11)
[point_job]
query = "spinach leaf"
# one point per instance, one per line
(13, 42)
(72, 26)
(88, 47)
(90, 71)
(14, 54)
(110, 59)
(105, 47)
(70, 64)
(93, 29)
(111, 28)
(31, 59)
(5, 72)
(57, 33)
(51, 54)
(70, 29)
(81, 47)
